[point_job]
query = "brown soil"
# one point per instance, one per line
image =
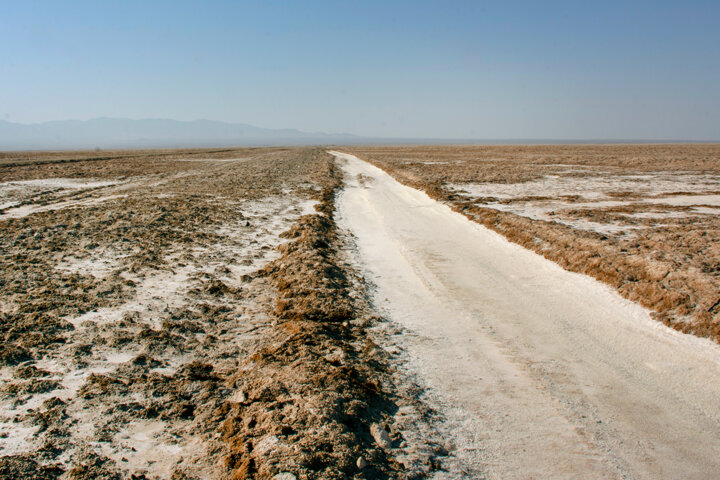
(101, 363)
(151, 328)
(311, 396)
(670, 264)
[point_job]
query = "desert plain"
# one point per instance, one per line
(361, 312)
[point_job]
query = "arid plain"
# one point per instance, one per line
(228, 313)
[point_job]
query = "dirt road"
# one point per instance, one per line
(539, 372)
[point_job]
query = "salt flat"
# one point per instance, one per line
(541, 373)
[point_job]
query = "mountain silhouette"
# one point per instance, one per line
(152, 133)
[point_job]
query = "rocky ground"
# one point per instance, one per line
(642, 218)
(187, 314)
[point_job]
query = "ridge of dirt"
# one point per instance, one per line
(673, 269)
(316, 400)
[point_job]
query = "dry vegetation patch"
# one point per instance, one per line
(642, 218)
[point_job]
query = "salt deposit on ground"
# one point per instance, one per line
(19, 198)
(22, 190)
(532, 382)
(148, 446)
(548, 198)
(594, 186)
(159, 268)
(59, 183)
(99, 266)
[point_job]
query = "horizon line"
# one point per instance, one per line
(372, 139)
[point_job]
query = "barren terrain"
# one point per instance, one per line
(289, 313)
(183, 314)
(538, 372)
(641, 218)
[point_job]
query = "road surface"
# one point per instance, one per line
(540, 373)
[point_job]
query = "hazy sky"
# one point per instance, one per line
(461, 69)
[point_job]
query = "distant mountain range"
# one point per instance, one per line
(164, 133)
(152, 133)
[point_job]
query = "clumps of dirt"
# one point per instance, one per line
(669, 262)
(26, 335)
(313, 396)
(37, 326)
(310, 284)
(132, 234)
(142, 337)
(24, 466)
(41, 296)
(123, 322)
(215, 287)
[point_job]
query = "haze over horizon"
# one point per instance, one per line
(462, 69)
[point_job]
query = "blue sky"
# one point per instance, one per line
(453, 69)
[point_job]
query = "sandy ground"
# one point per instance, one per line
(539, 372)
